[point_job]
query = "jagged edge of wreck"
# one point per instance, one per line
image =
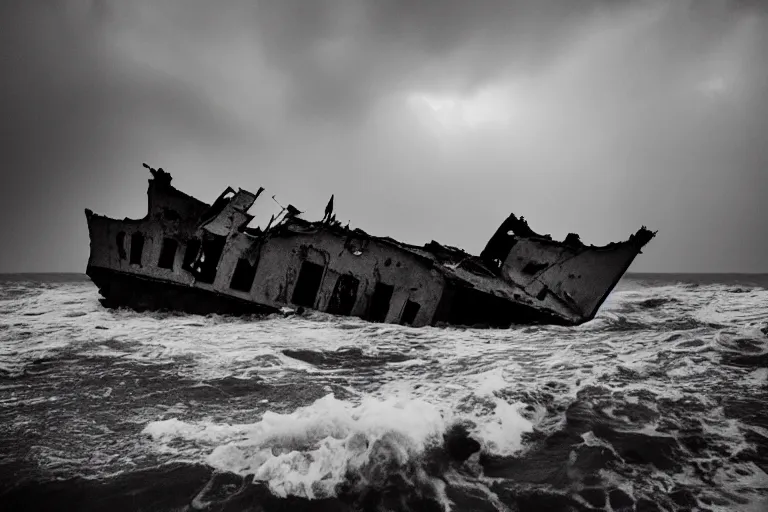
(187, 255)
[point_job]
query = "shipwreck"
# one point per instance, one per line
(190, 256)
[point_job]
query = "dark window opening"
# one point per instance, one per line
(243, 276)
(137, 248)
(308, 284)
(534, 267)
(168, 253)
(379, 306)
(409, 312)
(121, 245)
(208, 261)
(190, 254)
(344, 295)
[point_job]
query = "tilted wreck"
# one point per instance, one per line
(190, 256)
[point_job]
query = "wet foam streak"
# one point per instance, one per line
(658, 402)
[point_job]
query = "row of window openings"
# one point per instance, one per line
(205, 271)
(167, 253)
(344, 295)
(305, 292)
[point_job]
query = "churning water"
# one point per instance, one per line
(661, 403)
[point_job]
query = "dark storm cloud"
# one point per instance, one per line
(341, 56)
(426, 118)
(645, 111)
(63, 86)
(72, 111)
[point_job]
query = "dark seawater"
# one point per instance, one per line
(661, 403)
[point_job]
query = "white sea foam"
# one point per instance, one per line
(489, 382)
(309, 451)
(501, 433)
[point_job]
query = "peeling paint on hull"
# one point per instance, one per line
(189, 256)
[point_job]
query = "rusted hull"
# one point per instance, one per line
(123, 290)
(189, 256)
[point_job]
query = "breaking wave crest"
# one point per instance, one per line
(335, 448)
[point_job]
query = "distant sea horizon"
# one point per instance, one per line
(736, 278)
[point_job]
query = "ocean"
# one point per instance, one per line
(660, 403)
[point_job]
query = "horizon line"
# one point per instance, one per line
(43, 272)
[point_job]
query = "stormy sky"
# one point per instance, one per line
(427, 119)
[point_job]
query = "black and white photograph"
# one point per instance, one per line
(384, 255)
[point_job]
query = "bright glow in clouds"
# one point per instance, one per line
(714, 86)
(488, 107)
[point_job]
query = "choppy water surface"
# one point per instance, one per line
(661, 403)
